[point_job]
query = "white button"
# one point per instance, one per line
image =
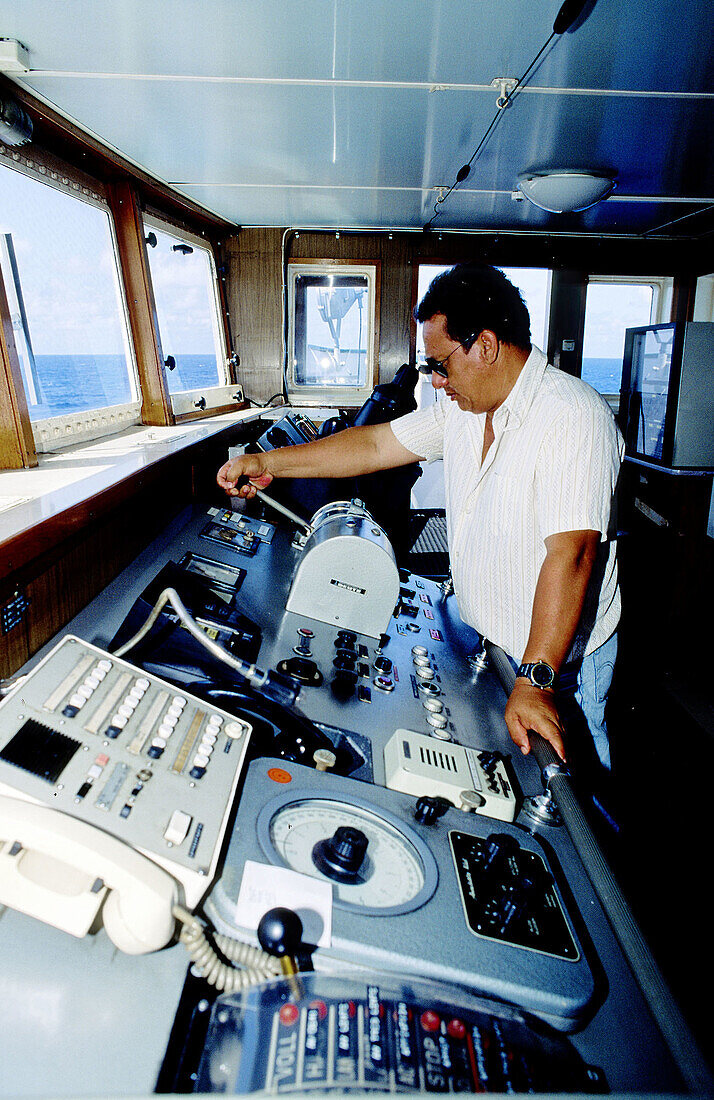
(200, 760)
(126, 711)
(99, 673)
(216, 720)
(209, 738)
(92, 681)
(165, 730)
(425, 673)
(94, 772)
(105, 665)
(136, 693)
(177, 829)
(436, 720)
(77, 701)
(143, 683)
(159, 742)
(174, 711)
(170, 720)
(179, 701)
(234, 730)
(119, 721)
(131, 702)
(205, 749)
(84, 691)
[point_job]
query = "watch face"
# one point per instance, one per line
(542, 675)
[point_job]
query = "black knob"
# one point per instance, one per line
(343, 684)
(383, 664)
(498, 849)
(280, 932)
(341, 856)
(429, 809)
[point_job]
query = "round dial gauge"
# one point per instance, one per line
(396, 872)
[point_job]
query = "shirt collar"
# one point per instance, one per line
(515, 408)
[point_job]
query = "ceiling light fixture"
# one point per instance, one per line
(566, 191)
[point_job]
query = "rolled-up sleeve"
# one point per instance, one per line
(422, 432)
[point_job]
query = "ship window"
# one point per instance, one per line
(611, 306)
(534, 285)
(331, 332)
(68, 318)
(183, 277)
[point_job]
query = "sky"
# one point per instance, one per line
(68, 276)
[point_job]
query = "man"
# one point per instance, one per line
(531, 458)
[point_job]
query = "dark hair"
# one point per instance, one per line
(473, 297)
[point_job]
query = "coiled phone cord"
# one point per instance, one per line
(256, 965)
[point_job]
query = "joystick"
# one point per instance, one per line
(280, 935)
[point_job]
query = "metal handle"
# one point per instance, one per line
(690, 1062)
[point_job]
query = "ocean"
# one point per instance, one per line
(604, 375)
(78, 383)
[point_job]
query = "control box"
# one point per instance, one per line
(471, 779)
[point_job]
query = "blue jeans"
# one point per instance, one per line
(581, 697)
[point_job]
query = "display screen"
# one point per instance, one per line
(652, 369)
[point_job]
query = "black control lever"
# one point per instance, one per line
(280, 935)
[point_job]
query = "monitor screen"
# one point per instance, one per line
(651, 376)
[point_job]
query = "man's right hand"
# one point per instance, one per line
(233, 474)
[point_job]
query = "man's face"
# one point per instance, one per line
(474, 378)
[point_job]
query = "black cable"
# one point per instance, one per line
(264, 405)
(568, 13)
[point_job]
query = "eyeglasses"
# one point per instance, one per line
(437, 365)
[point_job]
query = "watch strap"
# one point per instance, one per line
(547, 674)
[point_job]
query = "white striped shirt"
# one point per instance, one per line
(552, 467)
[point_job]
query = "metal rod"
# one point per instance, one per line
(285, 511)
(685, 1052)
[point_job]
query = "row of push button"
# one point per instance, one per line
(430, 692)
(86, 689)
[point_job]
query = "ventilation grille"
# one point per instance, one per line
(439, 760)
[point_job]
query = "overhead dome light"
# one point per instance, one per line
(565, 192)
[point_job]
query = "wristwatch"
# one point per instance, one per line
(540, 674)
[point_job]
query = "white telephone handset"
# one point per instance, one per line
(60, 869)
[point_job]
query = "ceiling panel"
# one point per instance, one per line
(344, 112)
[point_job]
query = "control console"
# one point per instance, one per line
(92, 737)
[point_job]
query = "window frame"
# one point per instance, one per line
(660, 310)
(333, 395)
(186, 405)
(56, 433)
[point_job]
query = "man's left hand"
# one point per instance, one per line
(531, 708)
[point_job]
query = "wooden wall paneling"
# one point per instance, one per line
(684, 293)
(396, 326)
(17, 443)
(129, 229)
(393, 252)
(254, 296)
(62, 579)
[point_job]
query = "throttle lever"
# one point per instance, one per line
(243, 480)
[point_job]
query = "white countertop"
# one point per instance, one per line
(63, 480)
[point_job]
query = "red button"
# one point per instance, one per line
(278, 775)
